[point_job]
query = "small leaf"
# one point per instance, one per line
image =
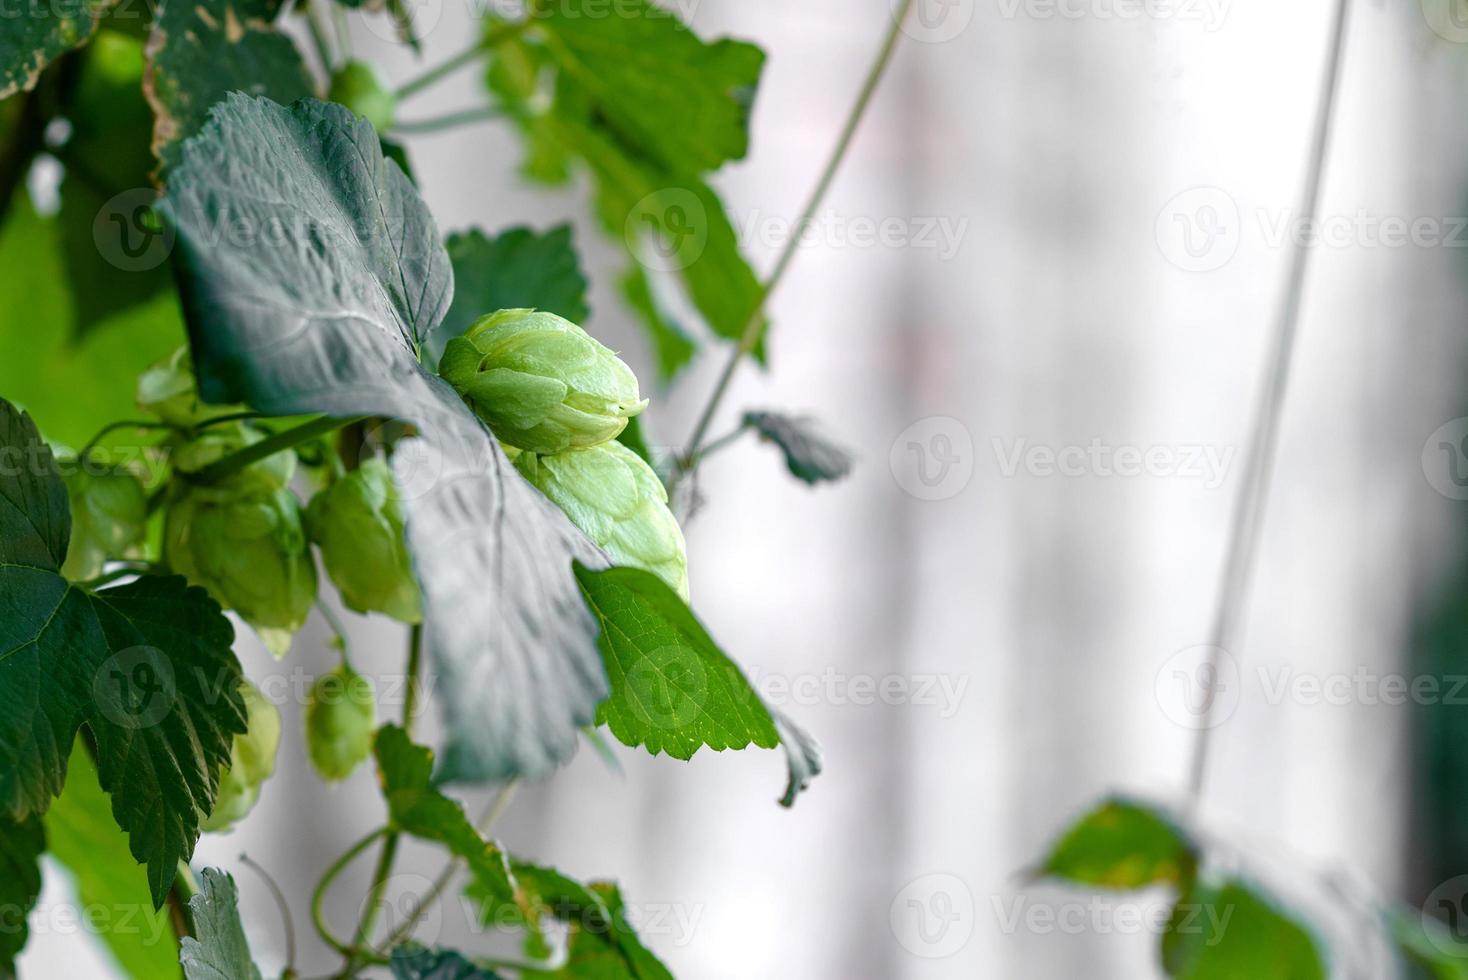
(21, 844)
(37, 32)
(200, 50)
(147, 666)
(810, 456)
(1231, 932)
(673, 689)
(111, 888)
(802, 755)
(329, 319)
(221, 951)
(1428, 944)
(517, 269)
(1125, 845)
(413, 962)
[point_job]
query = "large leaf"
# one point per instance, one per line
(330, 318)
(517, 269)
(200, 50)
(111, 888)
(220, 952)
(36, 32)
(147, 666)
(21, 844)
(1231, 932)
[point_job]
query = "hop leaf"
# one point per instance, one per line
(109, 516)
(340, 717)
(252, 761)
(541, 382)
(358, 86)
(611, 494)
(358, 524)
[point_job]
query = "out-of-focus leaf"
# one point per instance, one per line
(21, 844)
(517, 269)
(330, 320)
(1428, 944)
(111, 887)
(147, 666)
(221, 951)
(413, 962)
(201, 50)
(803, 757)
(1231, 932)
(1123, 844)
(809, 455)
(37, 32)
(672, 347)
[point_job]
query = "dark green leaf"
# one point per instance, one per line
(21, 844)
(221, 951)
(329, 320)
(516, 269)
(1231, 932)
(146, 665)
(1124, 844)
(36, 32)
(673, 689)
(411, 962)
(200, 50)
(110, 886)
(809, 455)
(116, 254)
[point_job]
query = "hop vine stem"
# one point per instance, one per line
(1258, 473)
(754, 326)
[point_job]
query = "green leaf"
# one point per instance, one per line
(809, 455)
(1124, 844)
(201, 50)
(110, 886)
(671, 346)
(116, 256)
(44, 381)
(673, 689)
(37, 32)
(147, 666)
(516, 269)
(328, 319)
(1428, 944)
(21, 844)
(413, 962)
(221, 951)
(1231, 932)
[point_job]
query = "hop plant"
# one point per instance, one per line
(109, 517)
(358, 86)
(252, 761)
(167, 390)
(358, 524)
(619, 502)
(540, 382)
(242, 540)
(340, 717)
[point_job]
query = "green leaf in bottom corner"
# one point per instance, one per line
(111, 888)
(1124, 844)
(21, 844)
(220, 952)
(1231, 932)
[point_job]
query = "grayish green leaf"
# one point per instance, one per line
(809, 455)
(221, 951)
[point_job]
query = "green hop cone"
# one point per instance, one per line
(109, 518)
(340, 717)
(167, 390)
(358, 86)
(619, 502)
(540, 382)
(252, 761)
(358, 524)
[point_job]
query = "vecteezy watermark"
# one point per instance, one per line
(1201, 229)
(943, 234)
(933, 917)
(1445, 916)
(668, 229)
(1108, 915)
(1445, 459)
(1447, 18)
(940, 692)
(1205, 463)
(139, 923)
(933, 459)
(1209, 13)
(1362, 686)
(934, 21)
(128, 232)
(1198, 687)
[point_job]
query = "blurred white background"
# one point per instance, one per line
(1077, 305)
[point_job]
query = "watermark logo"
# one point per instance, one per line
(933, 459)
(1198, 687)
(135, 688)
(933, 917)
(1445, 459)
(1207, 464)
(668, 229)
(129, 234)
(667, 689)
(935, 21)
(406, 19)
(1445, 916)
(1200, 229)
(1448, 19)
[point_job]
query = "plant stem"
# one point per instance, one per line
(318, 897)
(1258, 472)
(146, 425)
(281, 441)
(754, 327)
(469, 55)
(415, 682)
(318, 38)
(285, 912)
(449, 120)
